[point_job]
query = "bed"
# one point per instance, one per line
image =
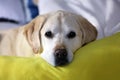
(99, 60)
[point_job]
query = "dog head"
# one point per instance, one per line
(58, 35)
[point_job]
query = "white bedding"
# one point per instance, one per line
(104, 14)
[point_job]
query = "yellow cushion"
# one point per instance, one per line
(99, 60)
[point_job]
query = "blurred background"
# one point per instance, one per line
(14, 13)
(103, 14)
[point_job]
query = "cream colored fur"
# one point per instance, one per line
(30, 39)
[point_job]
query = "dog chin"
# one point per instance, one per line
(51, 59)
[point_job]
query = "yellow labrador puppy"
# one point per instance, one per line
(56, 36)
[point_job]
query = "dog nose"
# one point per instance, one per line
(61, 57)
(61, 53)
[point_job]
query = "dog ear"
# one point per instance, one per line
(88, 30)
(32, 32)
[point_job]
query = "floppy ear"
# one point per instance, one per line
(32, 32)
(88, 30)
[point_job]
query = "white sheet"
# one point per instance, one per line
(104, 14)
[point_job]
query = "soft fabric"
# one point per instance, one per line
(104, 14)
(8, 25)
(12, 9)
(99, 60)
(33, 9)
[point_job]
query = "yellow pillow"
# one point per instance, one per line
(99, 60)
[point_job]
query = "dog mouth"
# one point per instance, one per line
(61, 57)
(61, 62)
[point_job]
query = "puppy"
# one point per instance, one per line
(54, 36)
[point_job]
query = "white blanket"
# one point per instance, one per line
(104, 14)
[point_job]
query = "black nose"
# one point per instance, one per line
(61, 53)
(61, 57)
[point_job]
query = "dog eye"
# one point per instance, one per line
(71, 34)
(49, 34)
